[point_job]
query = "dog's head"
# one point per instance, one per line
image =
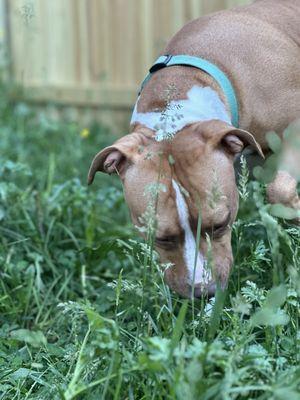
(196, 191)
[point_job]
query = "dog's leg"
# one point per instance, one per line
(283, 189)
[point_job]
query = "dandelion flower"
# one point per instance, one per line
(85, 133)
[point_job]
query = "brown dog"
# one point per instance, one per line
(258, 48)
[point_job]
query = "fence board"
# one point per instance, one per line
(3, 34)
(80, 96)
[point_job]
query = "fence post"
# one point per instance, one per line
(5, 61)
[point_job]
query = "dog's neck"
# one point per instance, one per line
(179, 98)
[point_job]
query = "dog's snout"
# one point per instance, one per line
(180, 283)
(208, 290)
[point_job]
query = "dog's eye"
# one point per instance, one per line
(167, 242)
(218, 230)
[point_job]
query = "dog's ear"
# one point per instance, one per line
(234, 140)
(116, 158)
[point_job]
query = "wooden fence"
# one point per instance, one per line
(91, 52)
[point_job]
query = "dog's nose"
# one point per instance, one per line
(208, 290)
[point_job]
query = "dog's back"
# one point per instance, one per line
(282, 14)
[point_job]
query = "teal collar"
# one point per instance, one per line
(206, 66)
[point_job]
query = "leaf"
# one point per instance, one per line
(216, 312)
(269, 317)
(274, 141)
(266, 173)
(21, 373)
(281, 211)
(286, 393)
(276, 297)
(101, 324)
(119, 288)
(270, 314)
(240, 306)
(178, 328)
(160, 348)
(295, 277)
(95, 320)
(34, 338)
(25, 373)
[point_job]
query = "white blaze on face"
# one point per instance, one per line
(195, 267)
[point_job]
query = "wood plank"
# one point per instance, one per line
(90, 96)
(22, 27)
(2, 22)
(163, 28)
(60, 41)
(4, 41)
(146, 26)
(195, 8)
(210, 6)
(138, 68)
(124, 40)
(81, 47)
(178, 15)
(234, 3)
(99, 41)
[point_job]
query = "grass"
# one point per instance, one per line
(84, 312)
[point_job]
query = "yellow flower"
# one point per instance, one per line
(85, 133)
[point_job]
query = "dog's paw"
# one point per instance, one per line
(283, 190)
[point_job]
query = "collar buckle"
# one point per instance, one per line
(161, 64)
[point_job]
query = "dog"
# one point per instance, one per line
(190, 123)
